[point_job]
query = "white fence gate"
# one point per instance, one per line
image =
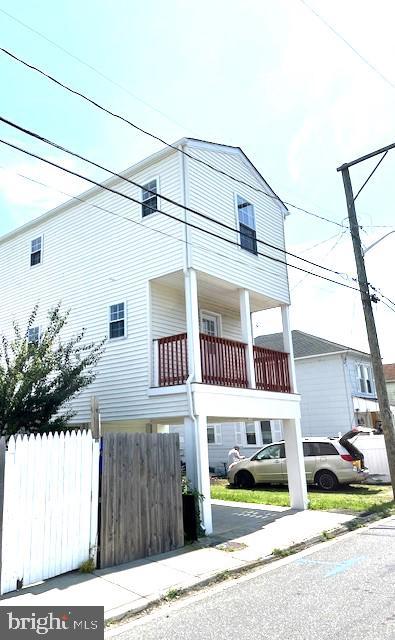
(50, 506)
(375, 454)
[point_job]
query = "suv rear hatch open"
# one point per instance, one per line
(354, 452)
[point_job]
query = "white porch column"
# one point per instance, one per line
(288, 346)
(246, 332)
(197, 465)
(295, 464)
(193, 328)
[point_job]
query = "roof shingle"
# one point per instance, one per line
(304, 344)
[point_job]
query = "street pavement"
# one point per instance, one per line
(343, 590)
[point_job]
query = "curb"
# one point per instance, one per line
(359, 521)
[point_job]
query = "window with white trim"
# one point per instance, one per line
(365, 378)
(266, 431)
(251, 436)
(210, 323)
(33, 335)
(149, 198)
(36, 251)
(117, 316)
(246, 216)
(214, 434)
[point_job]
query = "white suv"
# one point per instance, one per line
(328, 463)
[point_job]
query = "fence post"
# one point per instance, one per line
(2, 470)
(95, 418)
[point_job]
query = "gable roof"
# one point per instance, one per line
(138, 166)
(304, 344)
(389, 371)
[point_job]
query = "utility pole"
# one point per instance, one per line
(382, 395)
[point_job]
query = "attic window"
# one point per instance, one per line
(35, 251)
(246, 216)
(149, 198)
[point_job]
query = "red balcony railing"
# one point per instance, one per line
(223, 361)
(271, 370)
(172, 360)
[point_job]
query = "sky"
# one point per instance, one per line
(265, 75)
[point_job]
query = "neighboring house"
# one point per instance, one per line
(335, 382)
(174, 301)
(389, 374)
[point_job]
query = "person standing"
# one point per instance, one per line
(234, 456)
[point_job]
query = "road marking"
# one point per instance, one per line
(338, 567)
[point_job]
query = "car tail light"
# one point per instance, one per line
(347, 457)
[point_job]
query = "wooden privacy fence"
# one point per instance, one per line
(141, 502)
(50, 505)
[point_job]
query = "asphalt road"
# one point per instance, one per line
(344, 590)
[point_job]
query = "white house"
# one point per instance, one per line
(174, 301)
(335, 382)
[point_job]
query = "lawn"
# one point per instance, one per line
(350, 498)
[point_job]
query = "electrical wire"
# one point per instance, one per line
(154, 193)
(273, 196)
(91, 67)
(153, 209)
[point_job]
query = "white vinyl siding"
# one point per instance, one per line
(217, 199)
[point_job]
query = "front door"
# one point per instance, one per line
(269, 464)
(210, 324)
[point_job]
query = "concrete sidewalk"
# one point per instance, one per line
(244, 536)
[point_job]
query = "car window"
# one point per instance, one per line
(309, 449)
(326, 449)
(275, 451)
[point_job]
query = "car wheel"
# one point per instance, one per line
(244, 480)
(326, 480)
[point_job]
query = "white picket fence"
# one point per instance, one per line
(375, 454)
(50, 506)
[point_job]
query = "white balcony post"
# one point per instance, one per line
(246, 332)
(295, 464)
(288, 346)
(193, 329)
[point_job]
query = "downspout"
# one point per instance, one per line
(187, 264)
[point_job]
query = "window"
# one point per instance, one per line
(149, 198)
(35, 251)
(250, 433)
(325, 449)
(266, 431)
(214, 434)
(246, 216)
(117, 320)
(272, 452)
(33, 335)
(365, 378)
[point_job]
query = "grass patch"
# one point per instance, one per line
(88, 566)
(172, 594)
(281, 553)
(369, 498)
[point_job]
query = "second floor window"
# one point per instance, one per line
(117, 320)
(246, 215)
(35, 251)
(33, 335)
(149, 198)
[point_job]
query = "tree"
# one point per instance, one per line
(38, 379)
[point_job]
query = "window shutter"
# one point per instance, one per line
(239, 433)
(218, 433)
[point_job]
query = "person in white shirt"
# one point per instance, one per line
(234, 456)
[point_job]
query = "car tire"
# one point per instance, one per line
(326, 480)
(244, 480)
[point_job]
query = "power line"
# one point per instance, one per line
(348, 44)
(91, 67)
(153, 209)
(164, 142)
(165, 198)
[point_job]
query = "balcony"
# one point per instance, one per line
(224, 363)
